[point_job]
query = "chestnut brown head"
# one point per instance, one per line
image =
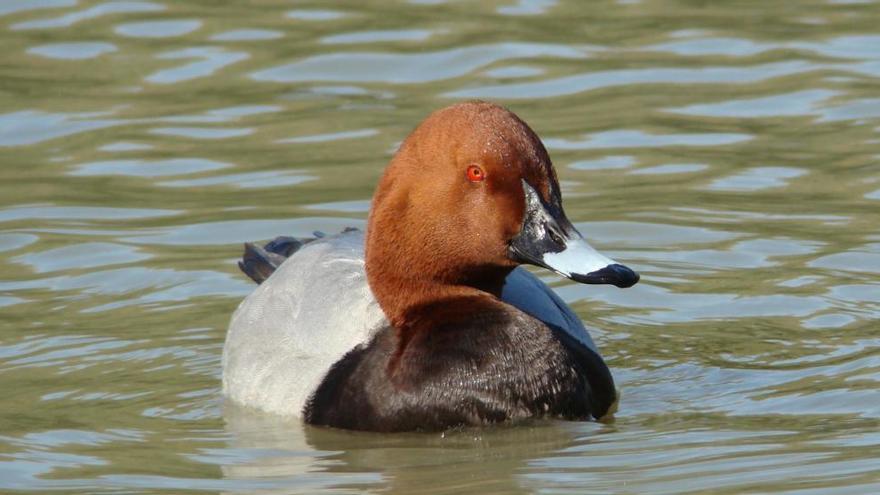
(471, 194)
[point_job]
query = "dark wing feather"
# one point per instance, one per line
(259, 263)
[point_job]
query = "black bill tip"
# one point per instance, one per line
(616, 274)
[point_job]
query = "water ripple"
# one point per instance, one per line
(333, 136)
(201, 132)
(213, 59)
(73, 51)
(247, 35)
(625, 138)
(757, 178)
(250, 180)
(30, 127)
(805, 102)
(239, 231)
(158, 29)
(569, 85)
(15, 6)
(90, 13)
(377, 36)
(148, 168)
(79, 256)
(407, 68)
(49, 212)
(315, 14)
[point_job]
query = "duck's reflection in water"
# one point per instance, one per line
(284, 455)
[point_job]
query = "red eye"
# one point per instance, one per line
(475, 174)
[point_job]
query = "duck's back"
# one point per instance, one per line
(317, 306)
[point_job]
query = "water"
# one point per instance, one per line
(730, 152)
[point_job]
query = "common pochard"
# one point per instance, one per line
(426, 322)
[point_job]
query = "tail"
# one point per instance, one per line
(259, 263)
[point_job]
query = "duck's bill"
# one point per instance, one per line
(549, 240)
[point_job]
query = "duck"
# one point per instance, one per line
(428, 320)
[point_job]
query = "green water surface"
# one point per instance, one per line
(729, 151)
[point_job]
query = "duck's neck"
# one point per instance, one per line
(412, 300)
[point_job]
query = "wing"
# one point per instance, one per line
(526, 292)
(302, 319)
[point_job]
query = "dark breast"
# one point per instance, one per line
(487, 371)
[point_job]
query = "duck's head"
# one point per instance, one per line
(471, 194)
